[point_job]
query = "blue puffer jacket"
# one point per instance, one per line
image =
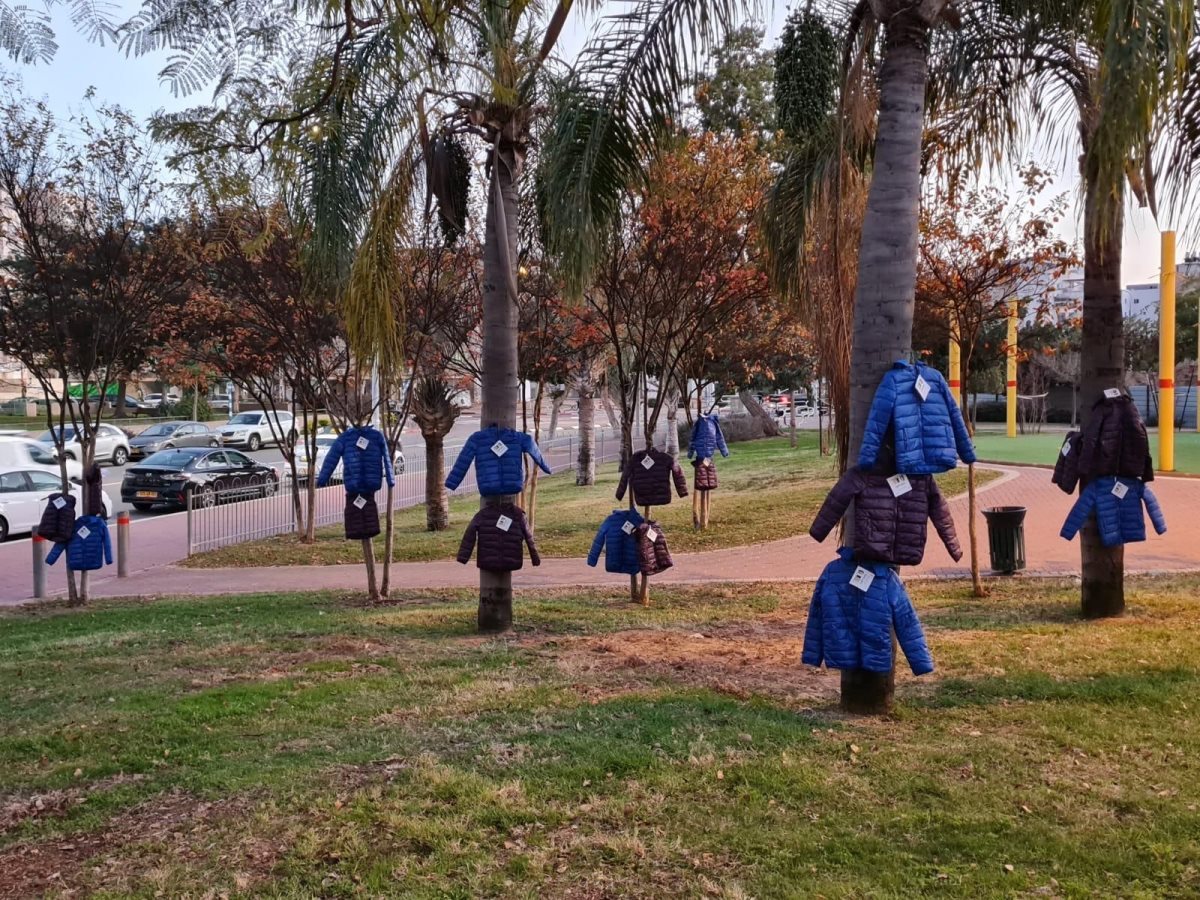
(1119, 519)
(365, 465)
(620, 547)
(707, 439)
(502, 474)
(89, 548)
(927, 432)
(852, 629)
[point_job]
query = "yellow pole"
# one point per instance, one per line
(1011, 383)
(1166, 355)
(954, 376)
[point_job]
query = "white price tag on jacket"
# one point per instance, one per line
(59, 502)
(362, 443)
(504, 523)
(862, 578)
(647, 463)
(921, 387)
(1112, 393)
(651, 535)
(360, 501)
(627, 528)
(1066, 448)
(83, 533)
(1119, 491)
(499, 448)
(899, 484)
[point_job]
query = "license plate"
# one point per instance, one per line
(146, 494)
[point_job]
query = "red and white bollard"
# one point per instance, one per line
(39, 566)
(123, 545)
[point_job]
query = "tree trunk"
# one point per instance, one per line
(556, 403)
(1103, 366)
(119, 405)
(437, 501)
(792, 408)
(977, 587)
(609, 411)
(756, 411)
(389, 541)
(671, 444)
(585, 469)
(531, 477)
(499, 351)
(887, 268)
(195, 404)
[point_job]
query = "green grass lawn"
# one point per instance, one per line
(306, 746)
(1042, 449)
(768, 491)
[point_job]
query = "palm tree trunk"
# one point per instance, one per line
(437, 502)
(499, 352)
(1102, 359)
(585, 468)
(887, 268)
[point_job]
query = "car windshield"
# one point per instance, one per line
(47, 437)
(159, 431)
(244, 419)
(169, 459)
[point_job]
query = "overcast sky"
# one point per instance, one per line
(134, 84)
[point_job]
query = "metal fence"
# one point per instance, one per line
(234, 519)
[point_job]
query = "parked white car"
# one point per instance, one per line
(253, 429)
(324, 442)
(19, 452)
(23, 496)
(112, 444)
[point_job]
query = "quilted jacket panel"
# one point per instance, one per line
(89, 547)
(1066, 467)
(653, 555)
(888, 528)
(620, 546)
(361, 520)
(1119, 519)
(852, 629)
(707, 439)
(930, 434)
(650, 473)
(500, 549)
(704, 475)
(58, 523)
(1114, 442)
(497, 473)
(363, 467)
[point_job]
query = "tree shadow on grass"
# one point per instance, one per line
(1146, 688)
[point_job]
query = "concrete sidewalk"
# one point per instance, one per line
(792, 559)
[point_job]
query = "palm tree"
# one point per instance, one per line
(1118, 72)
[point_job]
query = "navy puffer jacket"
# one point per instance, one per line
(650, 472)
(366, 461)
(1118, 511)
(89, 548)
(852, 629)
(361, 517)
(707, 439)
(619, 543)
(1066, 467)
(58, 519)
(930, 434)
(498, 454)
(501, 530)
(888, 528)
(1114, 441)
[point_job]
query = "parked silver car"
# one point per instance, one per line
(112, 444)
(254, 429)
(168, 435)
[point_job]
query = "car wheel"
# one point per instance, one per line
(69, 455)
(168, 446)
(291, 438)
(206, 497)
(3, 530)
(214, 443)
(120, 456)
(270, 486)
(143, 507)
(254, 443)
(399, 465)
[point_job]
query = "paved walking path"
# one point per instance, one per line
(792, 559)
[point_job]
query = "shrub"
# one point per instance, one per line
(183, 409)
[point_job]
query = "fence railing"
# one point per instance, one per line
(239, 514)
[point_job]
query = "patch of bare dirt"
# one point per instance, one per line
(742, 659)
(18, 808)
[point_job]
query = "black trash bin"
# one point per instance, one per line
(1006, 538)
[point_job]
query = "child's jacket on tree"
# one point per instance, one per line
(1117, 503)
(930, 434)
(707, 439)
(361, 517)
(650, 473)
(365, 458)
(1066, 467)
(89, 547)
(501, 531)
(619, 543)
(653, 554)
(1114, 441)
(58, 519)
(849, 628)
(498, 454)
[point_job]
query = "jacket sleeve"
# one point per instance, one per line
(1079, 512)
(909, 633)
(878, 420)
(1156, 513)
(55, 552)
(593, 556)
(835, 505)
(624, 482)
(680, 480)
(332, 458)
(962, 437)
(721, 445)
(108, 546)
(465, 455)
(534, 556)
(943, 521)
(814, 634)
(467, 547)
(535, 454)
(387, 461)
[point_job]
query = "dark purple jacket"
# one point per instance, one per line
(1114, 442)
(93, 491)
(58, 523)
(888, 528)
(361, 520)
(652, 483)
(705, 476)
(653, 555)
(500, 548)
(1066, 467)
